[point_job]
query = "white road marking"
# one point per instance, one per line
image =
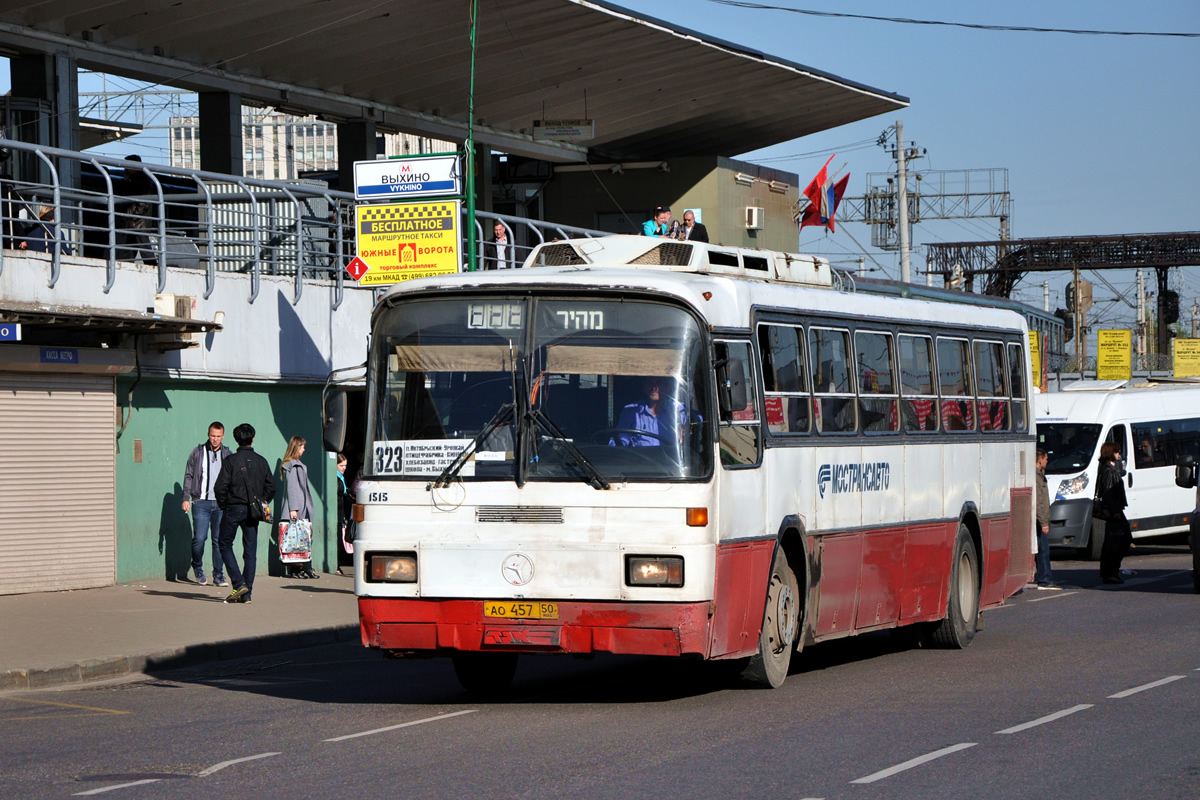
(401, 725)
(1043, 720)
(1051, 597)
(914, 762)
(204, 773)
(118, 786)
(1144, 687)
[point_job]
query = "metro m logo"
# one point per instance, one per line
(406, 167)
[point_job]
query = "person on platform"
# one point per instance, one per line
(660, 225)
(693, 231)
(499, 251)
(297, 501)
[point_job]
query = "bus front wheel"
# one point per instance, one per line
(962, 611)
(769, 666)
(485, 675)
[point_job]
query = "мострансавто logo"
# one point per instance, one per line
(873, 476)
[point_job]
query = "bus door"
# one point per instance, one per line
(744, 550)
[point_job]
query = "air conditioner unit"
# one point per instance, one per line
(754, 218)
(174, 305)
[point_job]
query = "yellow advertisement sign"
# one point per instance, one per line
(1035, 357)
(1114, 355)
(1187, 358)
(402, 241)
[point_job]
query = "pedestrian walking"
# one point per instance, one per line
(1042, 575)
(199, 481)
(298, 502)
(345, 553)
(1108, 507)
(244, 488)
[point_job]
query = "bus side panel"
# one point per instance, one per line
(997, 534)
(882, 578)
(926, 554)
(1020, 554)
(739, 595)
(839, 559)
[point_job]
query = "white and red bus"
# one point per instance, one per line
(653, 447)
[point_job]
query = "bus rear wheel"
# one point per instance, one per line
(958, 628)
(485, 675)
(769, 666)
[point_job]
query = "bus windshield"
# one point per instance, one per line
(540, 389)
(1069, 446)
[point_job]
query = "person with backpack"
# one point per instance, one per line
(244, 491)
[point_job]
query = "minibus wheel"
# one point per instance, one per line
(485, 675)
(962, 611)
(781, 618)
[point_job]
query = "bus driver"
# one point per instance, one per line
(646, 416)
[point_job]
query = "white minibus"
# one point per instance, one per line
(1154, 425)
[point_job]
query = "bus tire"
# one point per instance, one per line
(485, 675)
(768, 668)
(958, 628)
(1095, 542)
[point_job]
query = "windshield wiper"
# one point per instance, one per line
(541, 420)
(502, 416)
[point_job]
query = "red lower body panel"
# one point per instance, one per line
(657, 629)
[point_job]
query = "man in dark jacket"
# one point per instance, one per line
(693, 231)
(199, 496)
(245, 478)
(499, 251)
(1042, 575)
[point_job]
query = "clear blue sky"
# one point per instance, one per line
(1100, 134)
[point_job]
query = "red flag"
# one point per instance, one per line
(815, 188)
(821, 210)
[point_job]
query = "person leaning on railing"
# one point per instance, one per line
(45, 231)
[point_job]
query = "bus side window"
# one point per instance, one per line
(740, 435)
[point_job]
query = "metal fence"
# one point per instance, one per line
(118, 210)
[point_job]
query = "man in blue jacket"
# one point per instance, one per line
(199, 481)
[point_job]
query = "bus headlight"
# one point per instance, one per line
(654, 571)
(393, 568)
(1073, 485)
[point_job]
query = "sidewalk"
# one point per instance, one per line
(57, 638)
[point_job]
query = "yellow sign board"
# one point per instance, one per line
(1114, 355)
(1187, 358)
(1035, 357)
(402, 241)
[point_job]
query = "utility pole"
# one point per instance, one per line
(905, 266)
(1141, 314)
(862, 270)
(1045, 295)
(1075, 326)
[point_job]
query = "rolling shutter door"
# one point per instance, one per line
(57, 482)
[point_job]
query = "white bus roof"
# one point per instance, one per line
(1139, 401)
(731, 291)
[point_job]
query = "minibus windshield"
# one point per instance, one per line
(1069, 445)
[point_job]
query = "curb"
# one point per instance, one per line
(98, 669)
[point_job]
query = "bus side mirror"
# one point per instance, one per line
(1185, 472)
(334, 412)
(731, 378)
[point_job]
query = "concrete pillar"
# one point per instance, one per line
(48, 79)
(356, 141)
(221, 145)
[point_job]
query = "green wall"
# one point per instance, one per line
(170, 417)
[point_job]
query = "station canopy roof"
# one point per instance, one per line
(655, 90)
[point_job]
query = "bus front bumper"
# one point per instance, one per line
(442, 627)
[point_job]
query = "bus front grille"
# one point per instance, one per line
(529, 515)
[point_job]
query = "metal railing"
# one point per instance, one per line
(118, 210)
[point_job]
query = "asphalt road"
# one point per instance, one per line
(1091, 692)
